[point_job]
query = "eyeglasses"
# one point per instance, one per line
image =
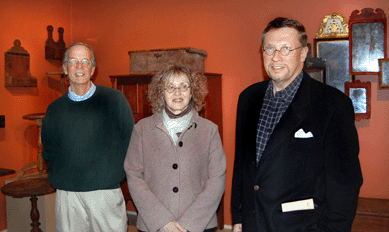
(284, 51)
(183, 88)
(75, 62)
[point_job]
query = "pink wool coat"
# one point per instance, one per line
(183, 182)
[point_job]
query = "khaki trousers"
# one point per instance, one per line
(94, 211)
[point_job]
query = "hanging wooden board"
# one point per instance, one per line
(17, 67)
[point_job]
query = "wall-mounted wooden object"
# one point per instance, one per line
(154, 60)
(2, 121)
(55, 50)
(17, 67)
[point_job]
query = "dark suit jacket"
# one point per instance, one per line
(325, 167)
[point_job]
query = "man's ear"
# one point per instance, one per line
(92, 71)
(65, 69)
(304, 54)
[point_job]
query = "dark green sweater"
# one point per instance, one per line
(85, 142)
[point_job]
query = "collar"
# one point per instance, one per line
(77, 98)
(156, 120)
(288, 93)
(174, 116)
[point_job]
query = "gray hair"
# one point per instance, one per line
(65, 57)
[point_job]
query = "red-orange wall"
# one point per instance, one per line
(27, 21)
(228, 30)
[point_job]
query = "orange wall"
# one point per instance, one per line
(228, 30)
(27, 21)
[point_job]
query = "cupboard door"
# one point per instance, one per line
(135, 95)
(147, 111)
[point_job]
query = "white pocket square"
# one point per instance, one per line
(301, 134)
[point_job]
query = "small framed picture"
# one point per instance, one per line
(360, 94)
(333, 26)
(337, 63)
(383, 75)
(333, 36)
(367, 40)
(318, 73)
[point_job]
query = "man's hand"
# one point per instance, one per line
(237, 228)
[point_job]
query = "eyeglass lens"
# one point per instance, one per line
(181, 88)
(284, 51)
(76, 62)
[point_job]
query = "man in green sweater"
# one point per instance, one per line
(85, 136)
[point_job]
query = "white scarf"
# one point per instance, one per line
(176, 125)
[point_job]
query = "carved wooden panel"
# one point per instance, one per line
(17, 67)
(54, 50)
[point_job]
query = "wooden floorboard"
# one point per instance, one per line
(372, 215)
(370, 224)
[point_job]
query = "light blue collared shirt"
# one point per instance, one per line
(77, 98)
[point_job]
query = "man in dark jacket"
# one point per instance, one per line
(296, 162)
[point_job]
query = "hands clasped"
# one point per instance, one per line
(173, 227)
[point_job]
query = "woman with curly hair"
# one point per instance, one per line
(175, 162)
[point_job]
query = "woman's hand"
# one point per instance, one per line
(237, 228)
(173, 227)
(180, 228)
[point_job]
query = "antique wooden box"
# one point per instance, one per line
(151, 61)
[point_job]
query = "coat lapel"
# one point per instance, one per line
(251, 132)
(291, 120)
(249, 121)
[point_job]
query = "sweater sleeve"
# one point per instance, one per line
(50, 138)
(125, 121)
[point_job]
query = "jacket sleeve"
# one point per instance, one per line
(198, 215)
(148, 205)
(236, 194)
(342, 168)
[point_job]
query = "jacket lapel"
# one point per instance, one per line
(249, 130)
(291, 120)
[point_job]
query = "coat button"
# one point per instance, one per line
(175, 166)
(256, 187)
(175, 189)
(180, 143)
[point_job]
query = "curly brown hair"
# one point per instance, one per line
(197, 82)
